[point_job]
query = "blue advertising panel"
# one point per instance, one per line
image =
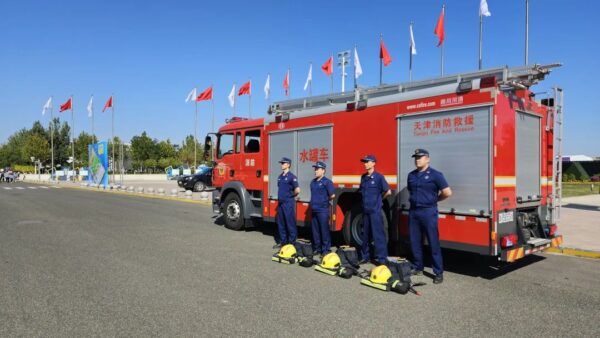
(98, 169)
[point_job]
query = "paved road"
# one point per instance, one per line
(87, 263)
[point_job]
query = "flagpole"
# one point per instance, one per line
(380, 61)
(410, 55)
(234, 98)
(331, 75)
(212, 101)
(268, 94)
(480, 37)
(310, 83)
(92, 113)
(250, 100)
(52, 136)
(526, 32)
(72, 140)
(112, 109)
(354, 64)
(442, 49)
(195, 131)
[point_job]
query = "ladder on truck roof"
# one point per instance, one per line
(506, 78)
(557, 116)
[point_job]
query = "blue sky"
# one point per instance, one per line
(151, 53)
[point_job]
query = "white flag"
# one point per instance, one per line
(483, 8)
(90, 106)
(47, 106)
(231, 97)
(268, 87)
(413, 46)
(357, 66)
(308, 78)
(191, 96)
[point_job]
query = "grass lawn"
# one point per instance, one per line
(571, 189)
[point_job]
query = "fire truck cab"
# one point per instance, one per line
(498, 146)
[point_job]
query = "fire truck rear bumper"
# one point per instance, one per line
(518, 253)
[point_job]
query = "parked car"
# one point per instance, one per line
(199, 181)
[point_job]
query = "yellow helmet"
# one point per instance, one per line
(287, 251)
(331, 261)
(380, 274)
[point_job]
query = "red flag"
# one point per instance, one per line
(108, 104)
(383, 54)
(327, 67)
(205, 95)
(286, 83)
(439, 28)
(67, 105)
(245, 89)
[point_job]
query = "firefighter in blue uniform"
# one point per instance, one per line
(373, 188)
(321, 192)
(426, 187)
(288, 189)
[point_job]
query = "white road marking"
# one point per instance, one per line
(20, 188)
(32, 188)
(7, 188)
(44, 187)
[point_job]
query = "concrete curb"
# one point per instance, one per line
(177, 199)
(574, 252)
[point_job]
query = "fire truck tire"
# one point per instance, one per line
(233, 213)
(353, 226)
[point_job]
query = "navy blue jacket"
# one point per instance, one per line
(424, 187)
(320, 190)
(372, 188)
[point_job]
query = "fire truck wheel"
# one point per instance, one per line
(353, 226)
(233, 213)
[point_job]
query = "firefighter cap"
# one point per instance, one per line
(320, 165)
(369, 158)
(285, 160)
(420, 152)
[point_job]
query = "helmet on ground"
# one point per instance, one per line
(380, 274)
(331, 261)
(287, 251)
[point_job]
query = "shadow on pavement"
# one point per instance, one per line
(581, 207)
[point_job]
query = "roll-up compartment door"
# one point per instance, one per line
(528, 156)
(459, 143)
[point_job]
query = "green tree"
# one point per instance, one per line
(81, 148)
(36, 146)
(165, 150)
(186, 152)
(142, 149)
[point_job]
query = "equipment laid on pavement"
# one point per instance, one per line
(343, 263)
(348, 260)
(304, 253)
(392, 276)
(286, 255)
(330, 264)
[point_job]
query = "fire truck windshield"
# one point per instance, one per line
(225, 145)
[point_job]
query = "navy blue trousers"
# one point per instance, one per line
(425, 221)
(373, 230)
(321, 238)
(286, 223)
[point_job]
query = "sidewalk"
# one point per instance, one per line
(580, 222)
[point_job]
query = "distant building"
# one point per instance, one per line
(577, 158)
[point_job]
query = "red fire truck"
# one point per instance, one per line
(498, 146)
